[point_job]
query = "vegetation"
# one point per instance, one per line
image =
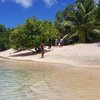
(31, 33)
(4, 38)
(79, 22)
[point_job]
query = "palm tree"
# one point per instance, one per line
(97, 16)
(83, 24)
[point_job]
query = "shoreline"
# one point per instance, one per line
(87, 56)
(72, 82)
(78, 64)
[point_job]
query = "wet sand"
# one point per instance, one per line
(59, 81)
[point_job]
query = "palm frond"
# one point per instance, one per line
(81, 8)
(96, 31)
(67, 23)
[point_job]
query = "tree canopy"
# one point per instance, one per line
(4, 37)
(79, 22)
(31, 33)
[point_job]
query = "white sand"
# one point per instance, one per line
(82, 55)
(64, 82)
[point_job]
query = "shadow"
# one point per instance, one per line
(19, 50)
(28, 53)
(98, 45)
(24, 54)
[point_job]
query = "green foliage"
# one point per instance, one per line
(82, 18)
(97, 17)
(31, 34)
(4, 38)
(61, 16)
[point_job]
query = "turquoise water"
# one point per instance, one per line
(28, 82)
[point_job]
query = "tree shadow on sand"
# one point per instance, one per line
(30, 53)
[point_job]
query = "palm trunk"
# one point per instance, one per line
(82, 37)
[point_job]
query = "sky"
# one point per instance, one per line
(14, 12)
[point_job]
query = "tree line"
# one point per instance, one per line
(80, 22)
(76, 23)
(27, 36)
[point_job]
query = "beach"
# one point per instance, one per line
(79, 55)
(69, 72)
(47, 81)
(50, 50)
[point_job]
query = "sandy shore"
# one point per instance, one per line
(69, 79)
(80, 55)
(49, 81)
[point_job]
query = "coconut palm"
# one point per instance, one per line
(97, 16)
(83, 24)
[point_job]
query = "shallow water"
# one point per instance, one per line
(31, 81)
(27, 83)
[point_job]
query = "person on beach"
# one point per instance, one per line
(56, 42)
(42, 49)
(50, 43)
(61, 42)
